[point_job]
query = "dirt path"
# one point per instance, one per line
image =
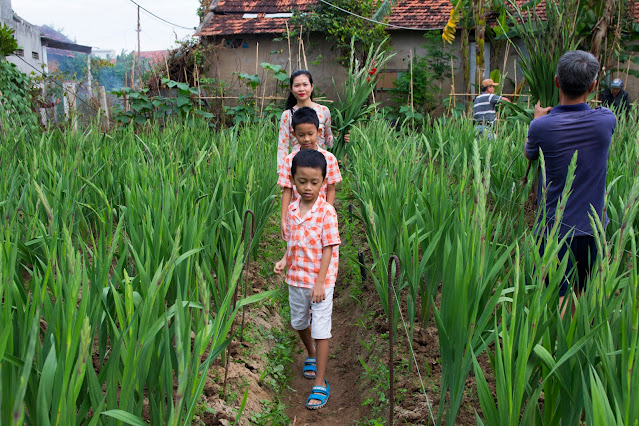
(343, 372)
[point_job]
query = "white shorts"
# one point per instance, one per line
(300, 302)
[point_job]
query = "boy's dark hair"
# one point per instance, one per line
(305, 115)
(309, 158)
(291, 101)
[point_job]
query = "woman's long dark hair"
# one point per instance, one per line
(291, 101)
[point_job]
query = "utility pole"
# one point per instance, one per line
(139, 63)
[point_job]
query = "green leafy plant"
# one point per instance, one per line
(353, 98)
(343, 30)
(8, 43)
(145, 108)
(15, 108)
(424, 80)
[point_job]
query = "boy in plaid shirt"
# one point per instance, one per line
(311, 260)
(306, 129)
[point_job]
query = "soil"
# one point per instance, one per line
(359, 327)
(343, 372)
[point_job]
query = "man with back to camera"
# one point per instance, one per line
(484, 108)
(614, 97)
(559, 132)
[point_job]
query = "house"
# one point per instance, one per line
(245, 31)
(32, 54)
(244, 34)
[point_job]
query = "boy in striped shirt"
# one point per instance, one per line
(311, 260)
(306, 129)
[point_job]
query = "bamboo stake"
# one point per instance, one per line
(299, 49)
(412, 108)
(268, 98)
(304, 53)
(196, 77)
(452, 104)
(288, 39)
(257, 60)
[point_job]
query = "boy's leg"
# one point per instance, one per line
(322, 361)
(299, 302)
(321, 332)
(305, 335)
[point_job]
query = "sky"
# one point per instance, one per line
(112, 24)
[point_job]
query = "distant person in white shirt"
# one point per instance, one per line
(484, 107)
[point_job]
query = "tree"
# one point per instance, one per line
(340, 27)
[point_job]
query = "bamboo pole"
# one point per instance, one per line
(452, 104)
(304, 53)
(412, 108)
(299, 49)
(288, 39)
(269, 98)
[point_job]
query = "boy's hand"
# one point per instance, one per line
(318, 293)
(280, 265)
(347, 137)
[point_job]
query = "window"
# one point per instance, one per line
(235, 43)
(19, 52)
(35, 55)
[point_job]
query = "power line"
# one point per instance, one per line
(374, 21)
(161, 19)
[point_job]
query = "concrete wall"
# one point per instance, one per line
(239, 55)
(28, 37)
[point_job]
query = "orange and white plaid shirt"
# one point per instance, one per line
(287, 136)
(333, 174)
(306, 237)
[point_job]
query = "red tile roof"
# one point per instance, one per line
(227, 17)
(262, 6)
(233, 24)
(153, 56)
(426, 15)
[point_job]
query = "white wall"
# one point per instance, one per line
(28, 37)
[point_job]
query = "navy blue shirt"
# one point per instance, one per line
(566, 129)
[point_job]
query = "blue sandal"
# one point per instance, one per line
(319, 393)
(309, 366)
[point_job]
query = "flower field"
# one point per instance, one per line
(120, 257)
(122, 252)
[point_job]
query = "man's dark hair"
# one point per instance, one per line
(576, 71)
(305, 115)
(309, 158)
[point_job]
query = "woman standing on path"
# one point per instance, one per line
(301, 95)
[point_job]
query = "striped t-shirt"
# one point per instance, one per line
(484, 108)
